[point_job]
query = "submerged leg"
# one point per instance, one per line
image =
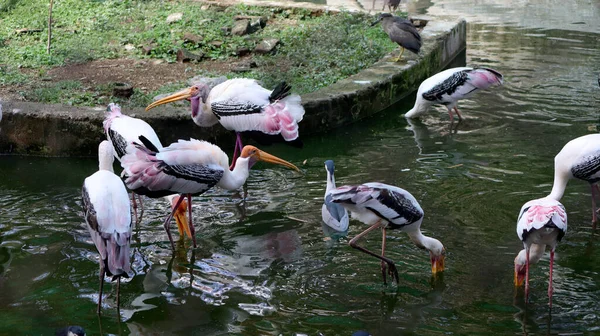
(98, 311)
(450, 114)
(594, 217)
(527, 275)
(119, 297)
(134, 206)
(458, 113)
(550, 289)
(192, 229)
(167, 223)
(141, 201)
(390, 264)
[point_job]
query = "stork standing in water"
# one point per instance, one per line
(388, 207)
(189, 167)
(449, 86)
(401, 31)
(242, 105)
(106, 211)
(333, 214)
(541, 222)
(579, 158)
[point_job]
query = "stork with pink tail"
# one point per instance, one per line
(450, 86)
(242, 105)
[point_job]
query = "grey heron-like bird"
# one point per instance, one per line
(106, 209)
(333, 214)
(388, 207)
(541, 222)
(391, 4)
(401, 31)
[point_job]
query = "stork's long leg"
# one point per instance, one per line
(383, 264)
(134, 206)
(550, 289)
(192, 228)
(450, 114)
(167, 222)
(527, 275)
(141, 201)
(594, 217)
(458, 113)
(391, 266)
(119, 297)
(102, 271)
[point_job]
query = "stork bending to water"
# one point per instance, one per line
(333, 214)
(388, 207)
(242, 105)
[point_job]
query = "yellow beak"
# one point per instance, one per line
(519, 277)
(183, 226)
(437, 264)
(183, 94)
(266, 157)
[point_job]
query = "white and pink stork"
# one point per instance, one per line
(542, 222)
(188, 167)
(107, 213)
(450, 86)
(579, 158)
(243, 106)
(388, 207)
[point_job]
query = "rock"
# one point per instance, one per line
(244, 66)
(210, 81)
(174, 17)
(259, 20)
(187, 56)
(216, 44)
(122, 90)
(205, 7)
(226, 30)
(192, 38)
(129, 47)
(242, 51)
(157, 62)
(147, 49)
(266, 46)
(240, 27)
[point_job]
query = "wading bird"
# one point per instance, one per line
(388, 207)
(333, 214)
(401, 31)
(449, 86)
(122, 130)
(579, 158)
(242, 105)
(541, 222)
(188, 167)
(107, 213)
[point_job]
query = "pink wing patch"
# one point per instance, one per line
(483, 78)
(540, 215)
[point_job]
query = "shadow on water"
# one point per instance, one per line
(264, 264)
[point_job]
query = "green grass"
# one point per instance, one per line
(314, 51)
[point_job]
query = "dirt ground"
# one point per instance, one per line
(146, 75)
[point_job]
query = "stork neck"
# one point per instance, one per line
(420, 107)
(233, 179)
(536, 251)
(106, 163)
(201, 113)
(421, 240)
(559, 185)
(330, 181)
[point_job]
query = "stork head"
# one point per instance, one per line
(253, 155)
(180, 214)
(329, 166)
(381, 17)
(105, 156)
(194, 94)
(438, 259)
(520, 261)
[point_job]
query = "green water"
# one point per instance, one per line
(264, 265)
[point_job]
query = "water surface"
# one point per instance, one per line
(264, 265)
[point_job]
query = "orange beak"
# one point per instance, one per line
(519, 275)
(258, 155)
(437, 264)
(181, 217)
(183, 94)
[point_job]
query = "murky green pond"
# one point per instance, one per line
(265, 267)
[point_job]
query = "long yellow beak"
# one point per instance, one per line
(183, 226)
(266, 157)
(437, 264)
(183, 94)
(519, 277)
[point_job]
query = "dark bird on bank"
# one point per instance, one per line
(70, 331)
(391, 4)
(401, 31)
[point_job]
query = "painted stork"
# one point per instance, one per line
(333, 214)
(401, 31)
(449, 86)
(242, 105)
(579, 158)
(541, 222)
(388, 207)
(188, 167)
(106, 211)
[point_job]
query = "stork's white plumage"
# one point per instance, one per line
(541, 222)
(579, 158)
(333, 214)
(122, 130)
(189, 167)
(106, 211)
(388, 207)
(242, 105)
(451, 85)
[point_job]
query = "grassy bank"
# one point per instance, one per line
(314, 51)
